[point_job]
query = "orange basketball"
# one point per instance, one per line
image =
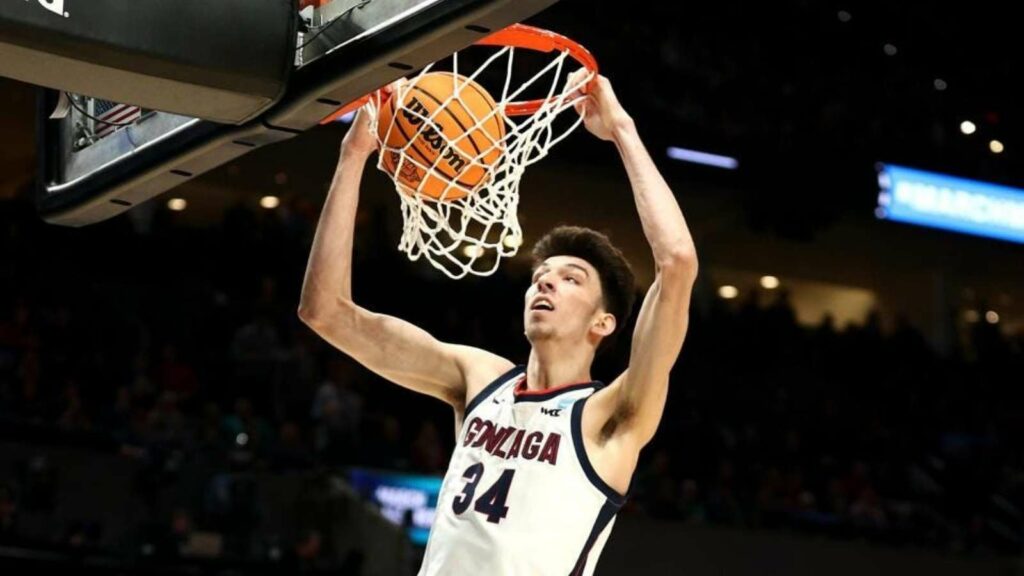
(459, 134)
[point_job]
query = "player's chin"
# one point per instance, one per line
(537, 330)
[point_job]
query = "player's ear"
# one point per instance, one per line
(604, 324)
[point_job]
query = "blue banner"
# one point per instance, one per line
(950, 203)
(405, 499)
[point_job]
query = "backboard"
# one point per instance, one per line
(99, 158)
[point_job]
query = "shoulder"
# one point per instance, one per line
(480, 369)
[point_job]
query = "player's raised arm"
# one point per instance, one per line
(388, 346)
(635, 401)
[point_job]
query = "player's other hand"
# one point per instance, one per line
(359, 140)
(602, 114)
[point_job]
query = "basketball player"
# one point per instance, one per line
(544, 454)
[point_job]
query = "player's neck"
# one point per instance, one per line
(551, 365)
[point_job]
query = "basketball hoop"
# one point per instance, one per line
(463, 231)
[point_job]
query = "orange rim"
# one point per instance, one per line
(516, 36)
(540, 40)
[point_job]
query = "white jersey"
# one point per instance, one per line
(520, 497)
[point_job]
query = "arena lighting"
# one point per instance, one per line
(947, 202)
(940, 84)
(968, 127)
(177, 204)
(992, 317)
(512, 241)
(890, 50)
(705, 158)
(473, 251)
(996, 147)
(270, 202)
(844, 16)
(769, 282)
(728, 292)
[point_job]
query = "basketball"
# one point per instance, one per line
(449, 143)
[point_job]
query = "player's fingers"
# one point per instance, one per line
(578, 81)
(581, 107)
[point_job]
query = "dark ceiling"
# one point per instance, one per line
(809, 96)
(791, 78)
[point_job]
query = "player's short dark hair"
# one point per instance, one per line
(617, 280)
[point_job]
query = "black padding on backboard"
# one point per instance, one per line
(221, 60)
(314, 91)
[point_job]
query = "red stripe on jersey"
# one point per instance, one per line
(521, 390)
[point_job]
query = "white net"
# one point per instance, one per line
(470, 227)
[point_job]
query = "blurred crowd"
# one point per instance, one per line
(179, 349)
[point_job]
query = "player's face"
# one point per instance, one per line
(564, 299)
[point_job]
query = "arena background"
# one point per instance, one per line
(164, 411)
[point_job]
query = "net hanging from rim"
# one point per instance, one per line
(464, 233)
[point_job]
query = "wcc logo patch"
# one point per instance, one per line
(555, 412)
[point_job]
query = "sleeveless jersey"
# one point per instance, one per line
(520, 497)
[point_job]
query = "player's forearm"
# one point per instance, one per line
(662, 219)
(329, 269)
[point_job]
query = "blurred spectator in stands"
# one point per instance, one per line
(142, 386)
(176, 376)
(83, 535)
(691, 508)
(8, 512)
(117, 417)
(39, 482)
(428, 457)
(337, 413)
(309, 552)
(383, 447)
(257, 355)
(73, 417)
(18, 356)
(723, 502)
(656, 487)
(290, 452)
(248, 434)
(167, 425)
(180, 530)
